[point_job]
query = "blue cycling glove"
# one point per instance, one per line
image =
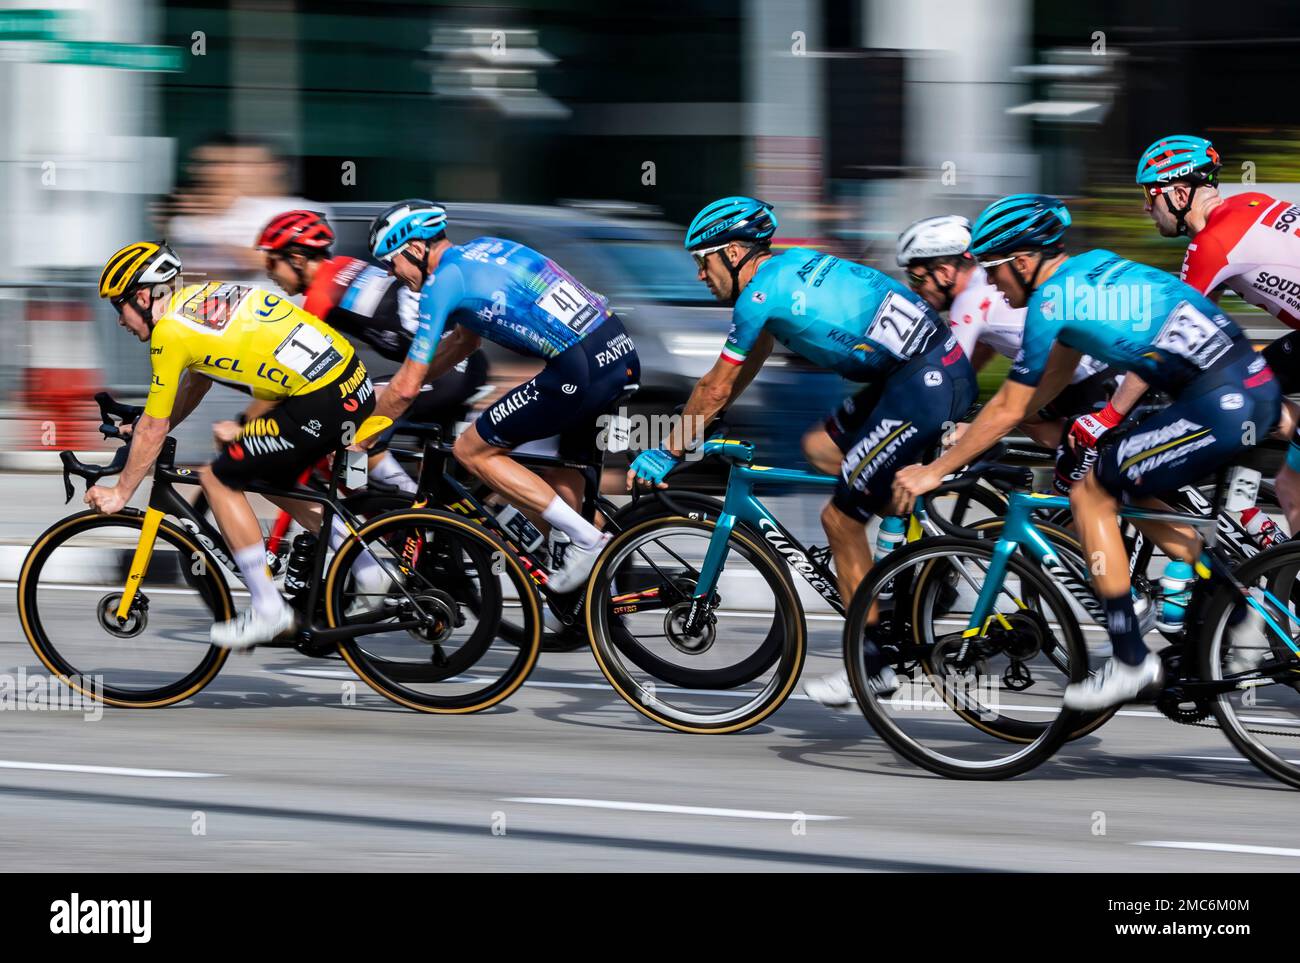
(654, 465)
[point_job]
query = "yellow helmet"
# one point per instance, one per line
(144, 262)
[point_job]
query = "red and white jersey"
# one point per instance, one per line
(981, 315)
(1249, 244)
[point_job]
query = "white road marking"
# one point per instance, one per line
(660, 808)
(108, 770)
(1221, 847)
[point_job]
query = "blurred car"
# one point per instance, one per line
(638, 263)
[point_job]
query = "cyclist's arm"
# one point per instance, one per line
(146, 442)
(1008, 408)
(1128, 393)
(720, 386)
(441, 295)
(454, 349)
(192, 390)
(981, 356)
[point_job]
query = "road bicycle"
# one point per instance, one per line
(119, 607)
(1236, 657)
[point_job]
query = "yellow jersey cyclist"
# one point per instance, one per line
(848, 318)
(308, 389)
(516, 297)
(1135, 318)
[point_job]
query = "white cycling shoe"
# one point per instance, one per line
(577, 565)
(1115, 683)
(250, 628)
(835, 692)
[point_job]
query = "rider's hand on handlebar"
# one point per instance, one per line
(650, 468)
(106, 501)
(911, 483)
(1087, 430)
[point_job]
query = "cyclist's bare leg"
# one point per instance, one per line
(822, 453)
(1046, 434)
(851, 551)
(521, 486)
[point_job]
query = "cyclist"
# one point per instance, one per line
(851, 319)
(363, 302)
(1246, 243)
(512, 295)
(1135, 318)
(934, 252)
(307, 385)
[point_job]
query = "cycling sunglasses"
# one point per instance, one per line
(703, 253)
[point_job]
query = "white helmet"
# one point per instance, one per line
(945, 235)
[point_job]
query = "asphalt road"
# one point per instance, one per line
(271, 768)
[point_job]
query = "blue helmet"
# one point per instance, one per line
(1179, 157)
(732, 219)
(1019, 222)
(405, 221)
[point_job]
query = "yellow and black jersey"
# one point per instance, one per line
(243, 336)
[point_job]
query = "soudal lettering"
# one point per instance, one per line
(1286, 220)
(1277, 283)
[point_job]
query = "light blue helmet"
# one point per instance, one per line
(1179, 157)
(410, 220)
(732, 219)
(1019, 222)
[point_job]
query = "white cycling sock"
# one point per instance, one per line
(390, 472)
(364, 563)
(584, 534)
(252, 566)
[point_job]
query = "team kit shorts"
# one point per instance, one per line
(298, 432)
(895, 422)
(1209, 422)
(567, 397)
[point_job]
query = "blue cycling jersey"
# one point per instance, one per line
(843, 316)
(1128, 315)
(509, 294)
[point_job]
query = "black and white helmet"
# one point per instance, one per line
(943, 236)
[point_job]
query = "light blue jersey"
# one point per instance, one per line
(843, 316)
(1128, 315)
(509, 294)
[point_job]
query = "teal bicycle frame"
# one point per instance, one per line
(1019, 533)
(741, 504)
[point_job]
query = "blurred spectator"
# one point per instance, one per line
(233, 186)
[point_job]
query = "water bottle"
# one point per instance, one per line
(892, 533)
(1260, 527)
(1174, 596)
(559, 544)
(526, 535)
(297, 571)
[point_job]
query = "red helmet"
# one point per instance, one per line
(306, 229)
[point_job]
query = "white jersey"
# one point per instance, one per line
(981, 315)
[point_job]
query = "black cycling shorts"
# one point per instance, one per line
(566, 398)
(1209, 422)
(897, 422)
(276, 448)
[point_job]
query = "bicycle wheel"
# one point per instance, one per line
(950, 715)
(1260, 714)
(1084, 605)
(68, 593)
(452, 582)
(964, 507)
(639, 599)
